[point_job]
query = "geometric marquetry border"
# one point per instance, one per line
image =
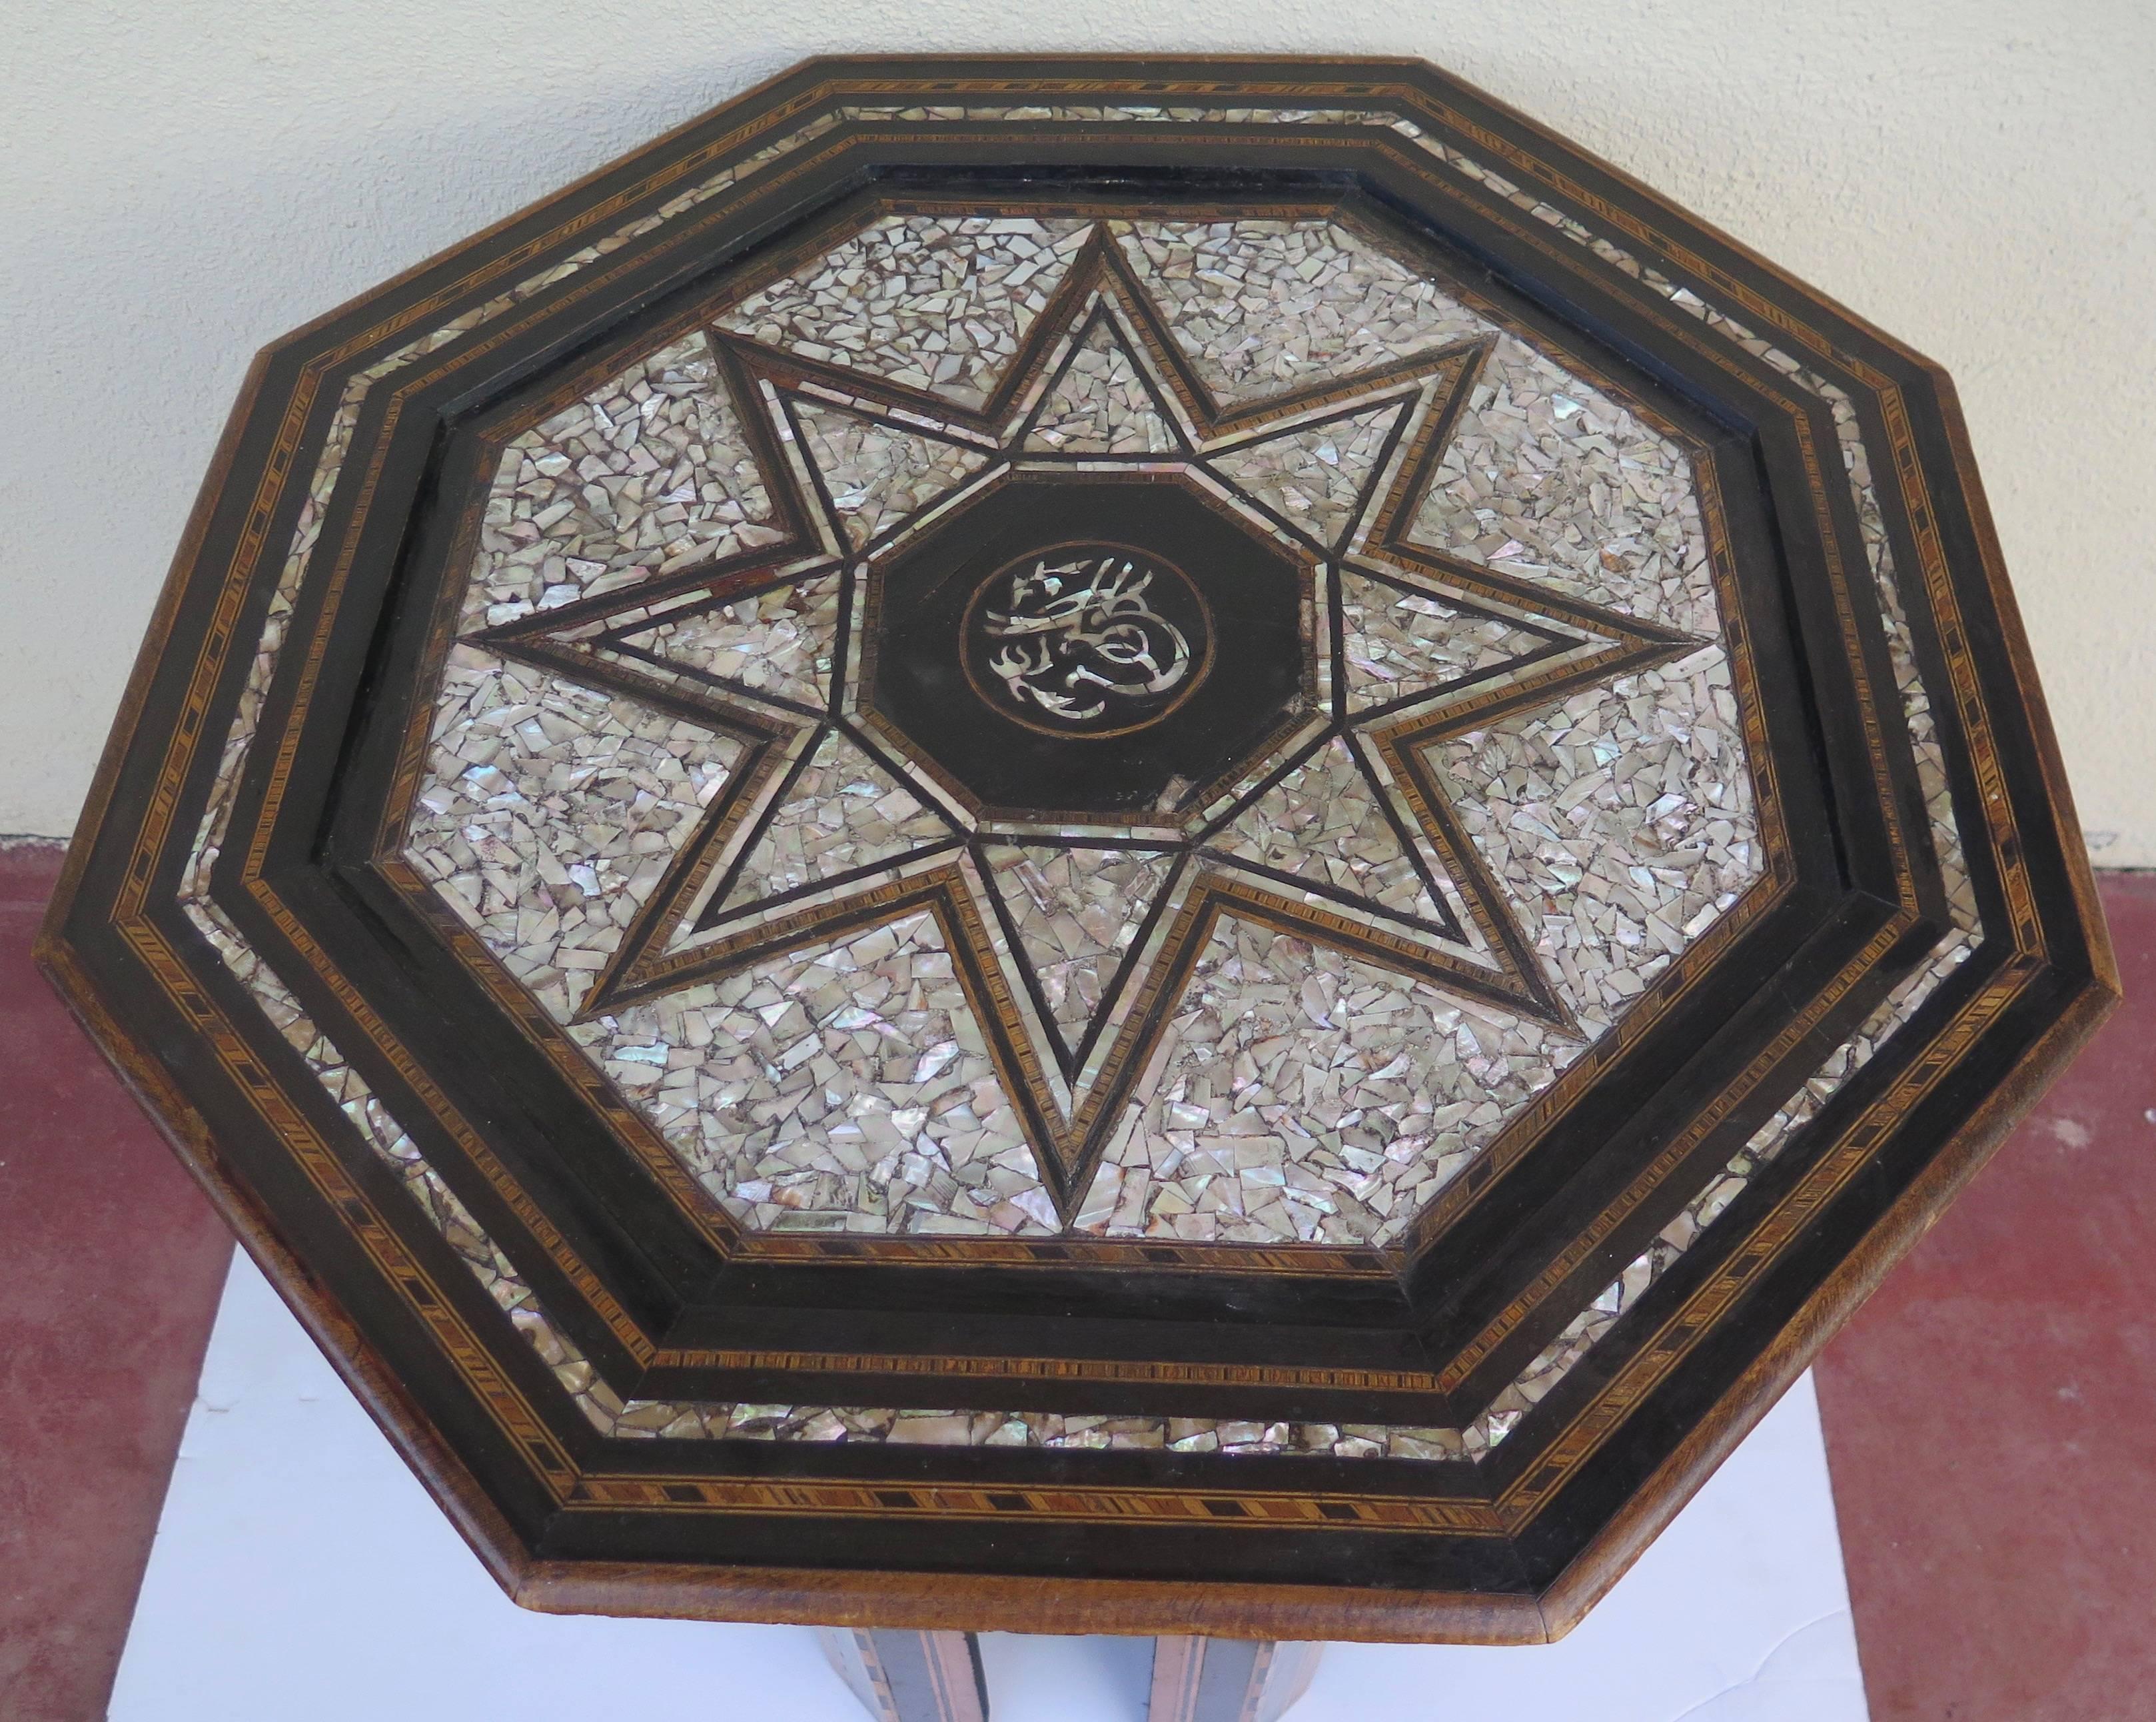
(1512, 1549)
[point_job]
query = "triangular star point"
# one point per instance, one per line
(1071, 950)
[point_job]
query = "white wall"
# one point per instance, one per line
(181, 182)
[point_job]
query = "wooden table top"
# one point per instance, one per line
(1098, 845)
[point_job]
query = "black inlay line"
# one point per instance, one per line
(898, 773)
(1366, 496)
(1592, 672)
(789, 372)
(1150, 329)
(1179, 957)
(1011, 841)
(721, 683)
(1335, 623)
(1451, 976)
(1441, 566)
(840, 543)
(1420, 469)
(1245, 499)
(689, 968)
(808, 394)
(1477, 883)
(891, 864)
(851, 602)
(590, 669)
(1393, 391)
(1027, 427)
(1044, 1132)
(623, 599)
(717, 574)
(765, 449)
(663, 914)
(1171, 413)
(790, 516)
(1372, 566)
(1000, 908)
(1445, 930)
(1126, 968)
(1401, 834)
(1447, 692)
(1294, 762)
(778, 799)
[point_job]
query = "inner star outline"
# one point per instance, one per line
(1334, 473)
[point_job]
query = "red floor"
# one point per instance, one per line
(114, 1262)
(2015, 1584)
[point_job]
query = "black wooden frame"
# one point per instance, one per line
(670, 1300)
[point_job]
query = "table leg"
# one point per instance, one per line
(1228, 1679)
(911, 1677)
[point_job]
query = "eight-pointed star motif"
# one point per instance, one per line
(1074, 932)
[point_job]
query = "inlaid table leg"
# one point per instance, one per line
(1228, 1679)
(911, 1677)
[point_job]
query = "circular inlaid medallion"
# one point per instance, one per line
(919, 749)
(1078, 646)
(1088, 640)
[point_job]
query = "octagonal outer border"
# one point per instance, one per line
(1690, 964)
(1254, 1610)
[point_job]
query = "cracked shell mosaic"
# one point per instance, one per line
(1075, 913)
(1101, 405)
(624, 487)
(840, 1087)
(1301, 1095)
(645, 474)
(840, 813)
(1314, 479)
(934, 304)
(1323, 822)
(876, 475)
(1621, 822)
(1326, 831)
(551, 812)
(777, 644)
(1400, 642)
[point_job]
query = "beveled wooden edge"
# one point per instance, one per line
(942, 1601)
(119, 740)
(2014, 637)
(455, 1490)
(936, 1602)
(1838, 1297)
(1611, 1552)
(922, 1601)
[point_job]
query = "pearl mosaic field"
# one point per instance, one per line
(1302, 1093)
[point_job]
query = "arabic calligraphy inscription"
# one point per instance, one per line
(1087, 640)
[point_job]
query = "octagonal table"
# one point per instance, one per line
(1188, 847)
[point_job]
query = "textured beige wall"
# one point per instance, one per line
(179, 183)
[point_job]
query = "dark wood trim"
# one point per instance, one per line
(1373, 1549)
(922, 1602)
(1589, 1574)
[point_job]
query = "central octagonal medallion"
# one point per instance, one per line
(1104, 724)
(1225, 760)
(1081, 642)
(1090, 645)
